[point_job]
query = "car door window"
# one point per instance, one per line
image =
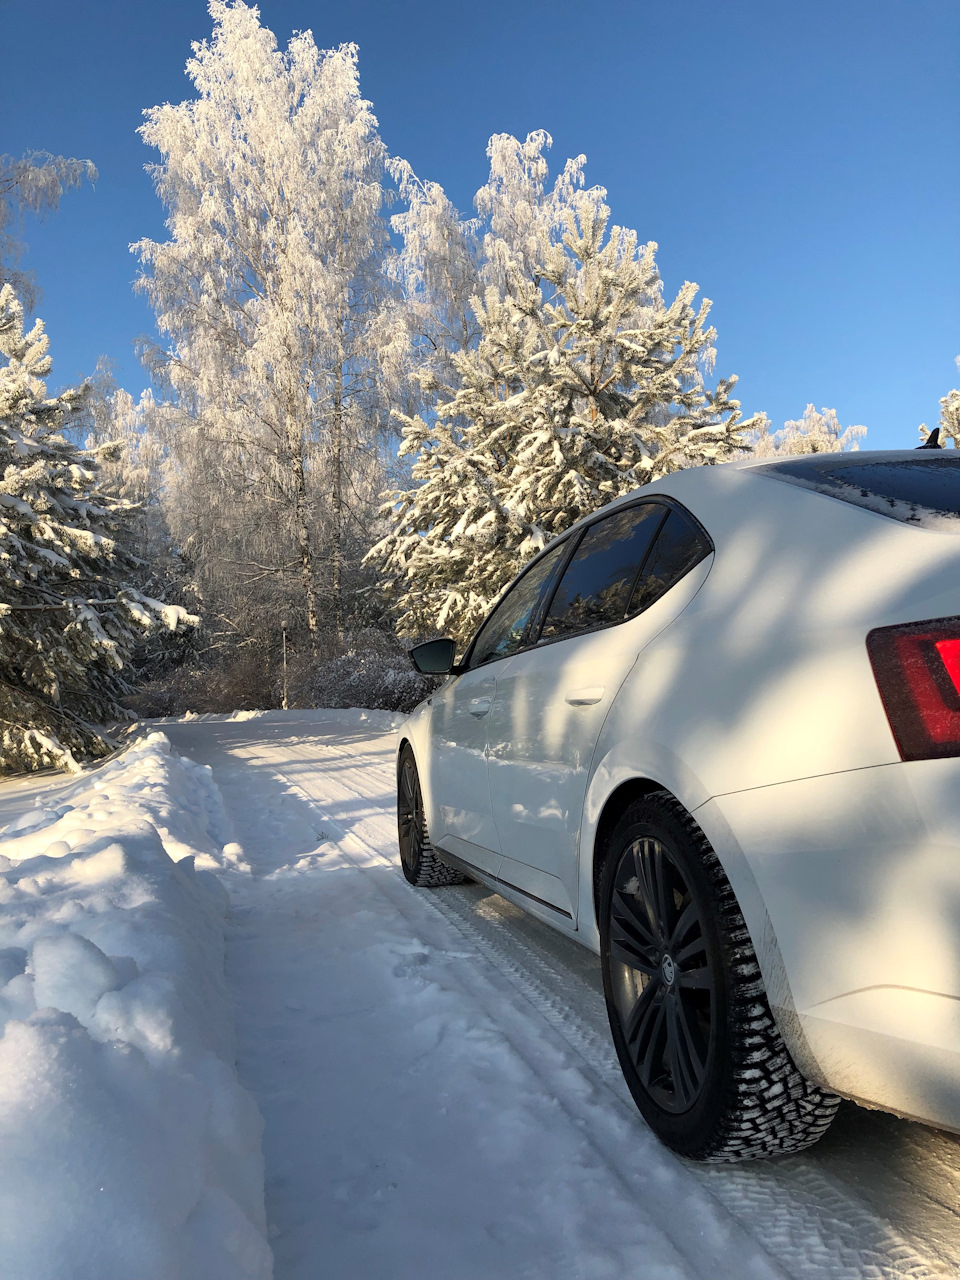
(504, 632)
(596, 585)
(679, 546)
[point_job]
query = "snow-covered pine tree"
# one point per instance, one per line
(68, 618)
(271, 293)
(813, 433)
(949, 419)
(582, 385)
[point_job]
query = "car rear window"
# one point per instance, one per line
(919, 490)
(679, 546)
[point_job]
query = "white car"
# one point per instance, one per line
(713, 732)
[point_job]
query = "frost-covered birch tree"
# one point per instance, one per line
(272, 299)
(32, 183)
(438, 270)
(133, 468)
(69, 615)
(813, 433)
(572, 380)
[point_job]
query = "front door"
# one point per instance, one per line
(460, 717)
(461, 791)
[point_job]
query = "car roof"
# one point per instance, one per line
(711, 488)
(710, 478)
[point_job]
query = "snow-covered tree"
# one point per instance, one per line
(68, 618)
(32, 183)
(949, 419)
(813, 433)
(582, 384)
(272, 294)
(438, 270)
(134, 468)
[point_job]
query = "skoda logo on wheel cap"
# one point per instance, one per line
(668, 970)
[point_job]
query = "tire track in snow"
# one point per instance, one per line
(814, 1222)
(806, 1218)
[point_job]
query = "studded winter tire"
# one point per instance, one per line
(418, 858)
(692, 1027)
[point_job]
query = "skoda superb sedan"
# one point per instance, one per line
(713, 732)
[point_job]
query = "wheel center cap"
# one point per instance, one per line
(668, 970)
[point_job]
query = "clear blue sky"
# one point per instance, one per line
(798, 160)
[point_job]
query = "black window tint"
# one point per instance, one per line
(595, 588)
(504, 631)
(679, 546)
(922, 490)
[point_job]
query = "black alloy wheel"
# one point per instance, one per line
(663, 978)
(691, 1023)
(418, 858)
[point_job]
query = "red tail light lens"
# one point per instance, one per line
(917, 669)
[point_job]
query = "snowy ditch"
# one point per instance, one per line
(129, 1149)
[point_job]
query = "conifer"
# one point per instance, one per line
(582, 384)
(69, 618)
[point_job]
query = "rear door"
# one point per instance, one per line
(552, 699)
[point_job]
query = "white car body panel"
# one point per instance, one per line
(746, 691)
(463, 821)
(858, 874)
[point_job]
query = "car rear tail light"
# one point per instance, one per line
(917, 669)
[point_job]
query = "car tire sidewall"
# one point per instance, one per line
(691, 1130)
(410, 868)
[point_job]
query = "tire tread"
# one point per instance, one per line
(769, 1108)
(431, 872)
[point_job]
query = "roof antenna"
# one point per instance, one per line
(932, 441)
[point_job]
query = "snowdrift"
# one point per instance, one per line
(362, 717)
(129, 1148)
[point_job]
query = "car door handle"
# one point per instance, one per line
(585, 697)
(479, 707)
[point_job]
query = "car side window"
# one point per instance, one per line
(504, 632)
(679, 546)
(596, 585)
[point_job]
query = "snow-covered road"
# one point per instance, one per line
(440, 1094)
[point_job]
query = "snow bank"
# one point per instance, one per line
(385, 720)
(130, 1151)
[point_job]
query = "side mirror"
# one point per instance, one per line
(435, 658)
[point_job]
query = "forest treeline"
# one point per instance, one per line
(367, 410)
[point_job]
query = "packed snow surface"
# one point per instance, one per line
(440, 1093)
(129, 1149)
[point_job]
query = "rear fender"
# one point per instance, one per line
(629, 768)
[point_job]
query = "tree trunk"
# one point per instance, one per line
(337, 498)
(303, 543)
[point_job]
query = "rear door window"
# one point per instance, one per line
(597, 584)
(679, 546)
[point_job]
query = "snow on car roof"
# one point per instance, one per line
(916, 487)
